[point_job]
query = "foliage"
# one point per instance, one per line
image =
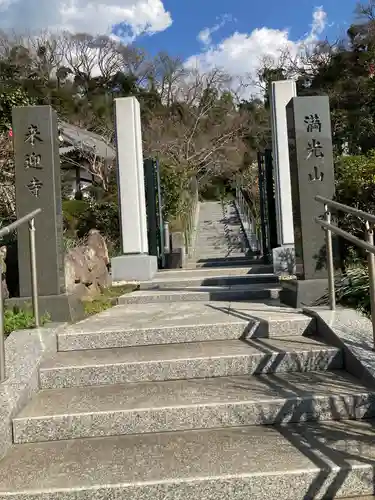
(107, 299)
(174, 182)
(355, 179)
(353, 289)
(20, 319)
(73, 211)
(9, 98)
(103, 216)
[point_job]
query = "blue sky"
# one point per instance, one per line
(192, 16)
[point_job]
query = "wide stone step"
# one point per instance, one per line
(225, 259)
(257, 291)
(192, 404)
(300, 461)
(190, 360)
(180, 322)
(202, 254)
(254, 269)
(214, 263)
(160, 283)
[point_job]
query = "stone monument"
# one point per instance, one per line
(283, 256)
(37, 172)
(312, 174)
(135, 264)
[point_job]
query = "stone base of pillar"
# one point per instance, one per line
(284, 260)
(59, 308)
(135, 267)
(303, 293)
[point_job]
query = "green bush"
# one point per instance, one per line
(73, 212)
(174, 183)
(355, 181)
(103, 216)
(355, 186)
(353, 289)
(20, 319)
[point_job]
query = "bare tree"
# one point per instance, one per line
(7, 182)
(108, 56)
(78, 54)
(134, 62)
(169, 73)
(202, 131)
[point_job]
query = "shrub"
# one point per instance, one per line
(73, 212)
(174, 183)
(353, 289)
(103, 216)
(20, 319)
(355, 181)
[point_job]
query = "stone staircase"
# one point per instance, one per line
(187, 396)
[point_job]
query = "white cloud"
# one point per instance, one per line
(205, 36)
(318, 25)
(90, 16)
(242, 54)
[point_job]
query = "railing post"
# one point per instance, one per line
(34, 279)
(2, 329)
(371, 273)
(330, 266)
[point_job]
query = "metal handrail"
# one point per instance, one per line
(367, 245)
(248, 218)
(30, 218)
(345, 208)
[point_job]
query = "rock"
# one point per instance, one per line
(86, 267)
(98, 269)
(76, 269)
(96, 241)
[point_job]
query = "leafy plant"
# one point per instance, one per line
(20, 319)
(352, 289)
(174, 183)
(10, 98)
(355, 180)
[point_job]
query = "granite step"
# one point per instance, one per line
(311, 461)
(190, 360)
(79, 412)
(161, 282)
(257, 291)
(209, 255)
(198, 264)
(243, 270)
(181, 322)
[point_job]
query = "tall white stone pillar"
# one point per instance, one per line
(283, 256)
(135, 264)
(281, 93)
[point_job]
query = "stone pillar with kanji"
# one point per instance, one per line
(312, 174)
(38, 185)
